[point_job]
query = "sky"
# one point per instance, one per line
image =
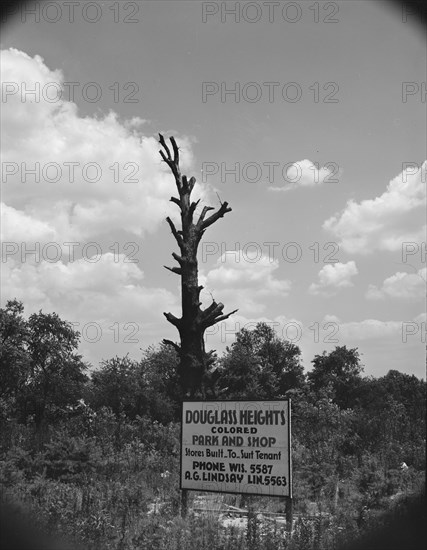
(308, 118)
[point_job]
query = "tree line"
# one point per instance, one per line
(113, 431)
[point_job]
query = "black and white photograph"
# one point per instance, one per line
(213, 316)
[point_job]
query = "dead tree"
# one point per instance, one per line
(194, 362)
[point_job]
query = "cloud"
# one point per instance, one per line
(421, 318)
(18, 226)
(135, 122)
(68, 178)
(80, 290)
(375, 329)
(384, 223)
(333, 277)
(305, 173)
(401, 341)
(331, 319)
(400, 285)
(244, 282)
(368, 329)
(373, 338)
(76, 177)
(115, 314)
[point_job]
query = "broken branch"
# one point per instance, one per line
(218, 214)
(176, 270)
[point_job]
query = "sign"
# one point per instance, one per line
(236, 447)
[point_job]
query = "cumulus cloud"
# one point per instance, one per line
(333, 277)
(370, 329)
(115, 314)
(72, 179)
(421, 318)
(244, 281)
(400, 285)
(76, 177)
(374, 329)
(384, 223)
(305, 173)
(18, 226)
(331, 318)
(80, 289)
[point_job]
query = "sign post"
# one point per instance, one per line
(289, 514)
(184, 502)
(239, 447)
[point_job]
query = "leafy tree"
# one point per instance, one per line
(159, 370)
(14, 357)
(259, 364)
(119, 386)
(57, 373)
(281, 356)
(406, 389)
(391, 418)
(342, 370)
(147, 387)
(321, 432)
(40, 368)
(242, 377)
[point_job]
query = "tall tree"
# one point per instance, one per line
(194, 361)
(341, 369)
(57, 373)
(14, 357)
(259, 364)
(118, 384)
(40, 371)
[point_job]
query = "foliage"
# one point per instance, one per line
(341, 370)
(150, 386)
(260, 365)
(41, 373)
(14, 359)
(104, 470)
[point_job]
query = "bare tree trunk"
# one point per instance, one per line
(194, 361)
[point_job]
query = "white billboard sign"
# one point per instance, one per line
(237, 447)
